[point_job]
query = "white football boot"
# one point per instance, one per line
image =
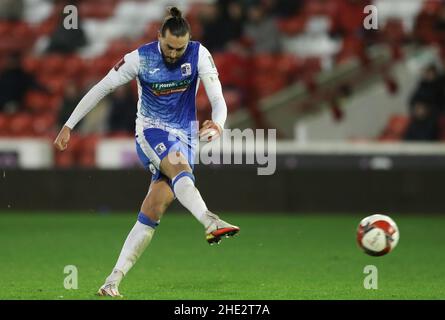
(217, 228)
(111, 285)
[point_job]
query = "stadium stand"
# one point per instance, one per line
(315, 36)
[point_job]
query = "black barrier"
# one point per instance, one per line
(232, 188)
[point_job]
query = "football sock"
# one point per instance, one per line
(189, 196)
(135, 244)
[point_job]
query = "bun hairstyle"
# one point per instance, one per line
(175, 23)
(174, 12)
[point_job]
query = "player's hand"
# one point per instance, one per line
(61, 142)
(209, 131)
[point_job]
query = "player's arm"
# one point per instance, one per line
(124, 71)
(211, 129)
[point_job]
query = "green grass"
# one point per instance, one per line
(274, 257)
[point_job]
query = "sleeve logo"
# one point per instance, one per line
(119, 64)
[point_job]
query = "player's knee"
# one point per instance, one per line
(174, 164)
(184, 177)
(155, 209)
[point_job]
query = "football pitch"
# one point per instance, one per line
(275, 256)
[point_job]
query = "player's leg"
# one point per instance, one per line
(176, 167)
(156, 202)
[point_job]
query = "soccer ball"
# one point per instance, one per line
(377, 235)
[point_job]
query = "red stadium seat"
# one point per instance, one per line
(393, 31)
(151, 31)
(73, 66)
(54, 103)
(55, 83)
(21, 125)
(232, 69)
(233, 99)
(351, 48)
(23, 31)
(87, 151)
(44, 124)
(4, 124)
(36, 101)
(5, 28)
(289, 66)
(48, 26)
(99, 9)
(31, 64)
(202, 102)
(265, 63)
(293, 25)
(69, 157)
(52, 64)
(268, 84)
(395, 128)
(317, 7)
(431, 6)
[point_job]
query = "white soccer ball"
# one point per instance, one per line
(377, 235)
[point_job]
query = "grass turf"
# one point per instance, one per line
(275, 257)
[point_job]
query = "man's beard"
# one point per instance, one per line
(170, 64)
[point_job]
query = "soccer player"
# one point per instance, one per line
(168, 72)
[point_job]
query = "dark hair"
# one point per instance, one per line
(174, 22)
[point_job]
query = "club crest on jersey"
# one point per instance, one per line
(186, 69)
(160, 148)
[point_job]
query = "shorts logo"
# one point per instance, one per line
(186, 69)
(160, 148)
(152, 168)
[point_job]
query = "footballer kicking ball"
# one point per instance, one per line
(377, 235)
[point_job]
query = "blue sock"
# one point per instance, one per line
(142, 218)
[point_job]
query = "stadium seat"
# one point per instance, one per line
(54, 83)
(293, 25)
(99, 9)
(21, 125)
(31, 64)
(395, 128)
(351, 48)
(5, 28)
(36, 101)
(232, 69)
(87, 151)
(44, 124)
(265, 63)
(151, 31)
(74, 66)
(393, 31)
(202, 102)
(4, 124)
(267, 84)
(48, 26)
(316, 7)
(233, 99)
(22, 31)
(431, 6)
(52, 64)
(68, 158)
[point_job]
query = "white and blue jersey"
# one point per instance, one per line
(167, 94)
(166, 111)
